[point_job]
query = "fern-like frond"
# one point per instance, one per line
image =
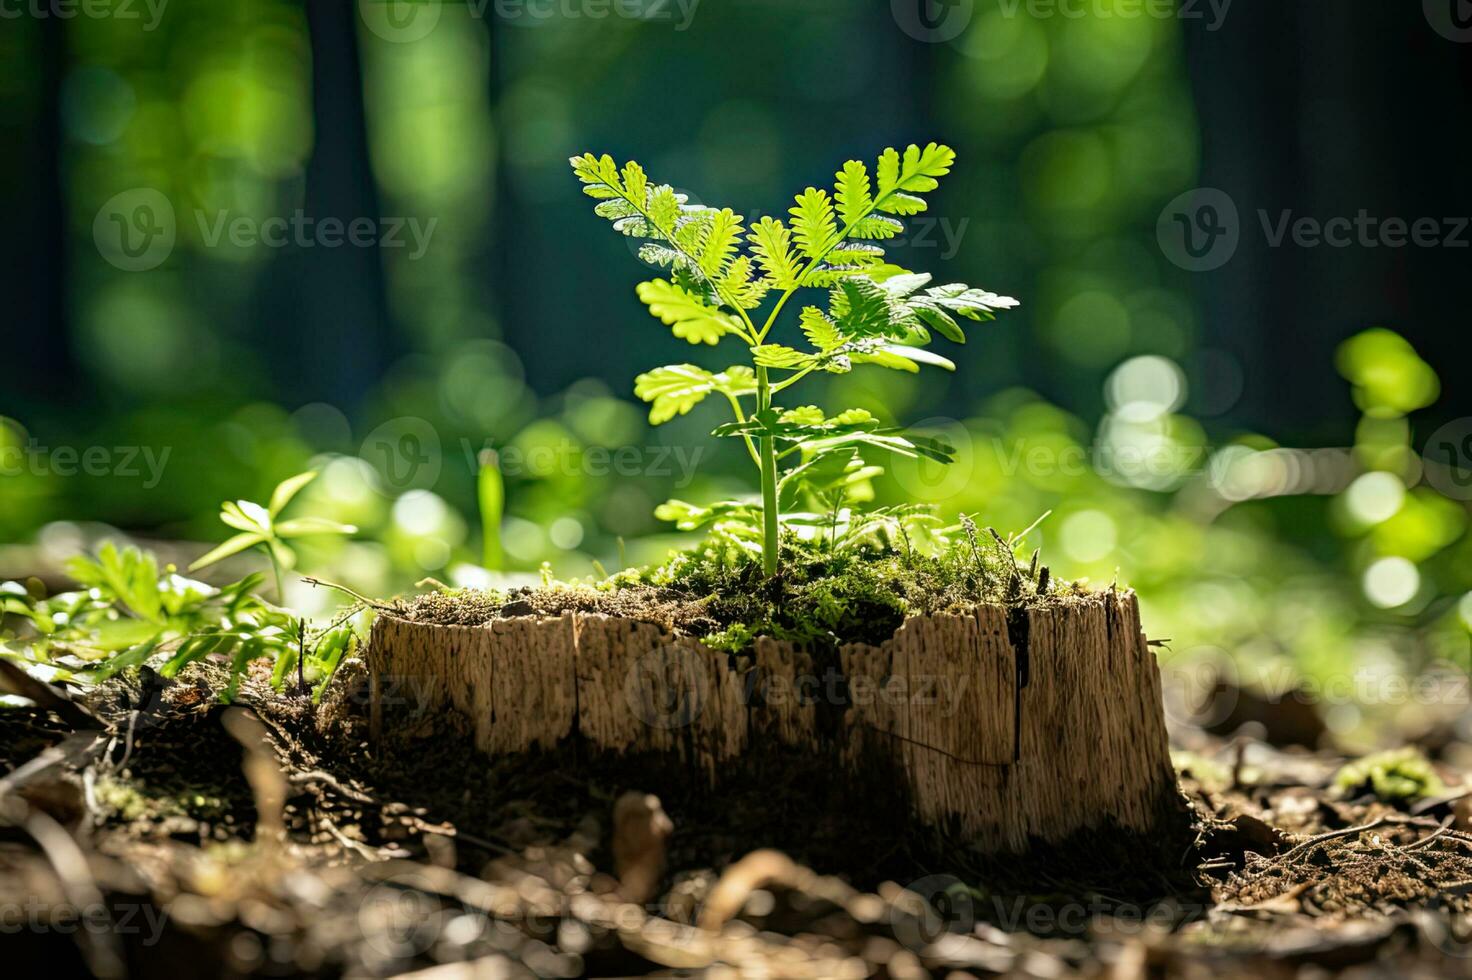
(852, 193)
(820, 331)
(771, 243)
(686, 312)
(676, 388)
(778, 356)
(738, 283)
(814, 223)
(722, 235)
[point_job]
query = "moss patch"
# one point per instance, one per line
(721, 595)
(1393, 776)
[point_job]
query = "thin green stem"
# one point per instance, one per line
(786, 382)
(276, 570)
(741, 417)
(768, 463)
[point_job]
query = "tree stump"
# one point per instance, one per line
(1005, 728)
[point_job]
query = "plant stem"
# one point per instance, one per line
(276, 570)
(766, 449)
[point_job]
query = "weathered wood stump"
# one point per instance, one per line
(1003, 728)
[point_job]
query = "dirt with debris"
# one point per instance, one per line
(268, 839)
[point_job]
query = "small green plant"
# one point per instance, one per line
(1394, 775)
(259, 527)
(722, 272)
(125, 613)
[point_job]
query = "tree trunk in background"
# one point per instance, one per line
(1324, 109)
(328, 304)
(38, 344)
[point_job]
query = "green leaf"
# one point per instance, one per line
(233, 546)
(692, 517)
(245, 515)
(721, 239)
(132, 658)
(807, 415)
(862, 308)
(302, 526)
(813, 222)
(737, 282)
(778, 356)
(889, 441)
(677, 388)
(287, 489)
(900, 179)
(976, 304)
(799, 424)
(690, 317)
(820, 331)
(771, 243)
(852, 193)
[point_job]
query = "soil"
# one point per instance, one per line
(388, 862)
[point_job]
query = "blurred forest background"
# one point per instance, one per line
(1244, 445)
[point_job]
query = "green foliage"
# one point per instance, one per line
(259, 527)
(126, 614)
(1393, 776)
(877, 314)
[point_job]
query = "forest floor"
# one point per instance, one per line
(155, 832)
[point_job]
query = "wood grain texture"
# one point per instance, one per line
(1004, 729)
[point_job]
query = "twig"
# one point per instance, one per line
(1390, 818)
(100, 948)
(47, 696)
(381, 607)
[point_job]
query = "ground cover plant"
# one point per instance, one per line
(723, 272)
